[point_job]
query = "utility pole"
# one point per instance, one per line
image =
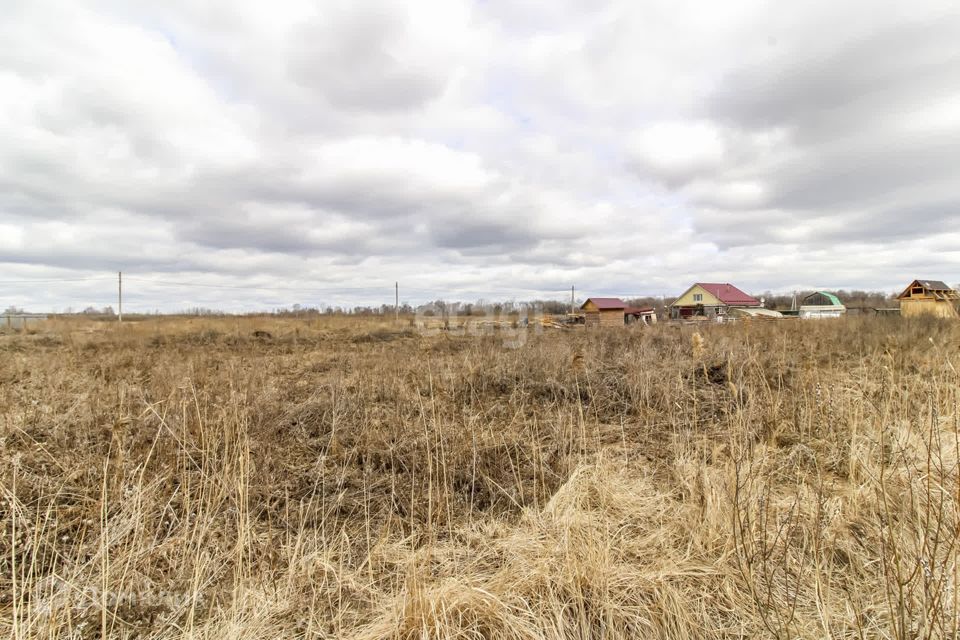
(119, 296)
(396, 301)
(573, 304)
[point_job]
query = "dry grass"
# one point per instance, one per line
(336, 479)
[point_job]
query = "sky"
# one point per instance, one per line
(245, 155)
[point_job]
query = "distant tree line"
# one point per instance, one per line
(854, 298)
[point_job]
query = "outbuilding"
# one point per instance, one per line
(929, 297)
(604, 312)
(641, 315)
(821, 304)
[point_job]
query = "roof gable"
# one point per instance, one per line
(728, 294)
(605, 304)
(695, 295)
(927, 286)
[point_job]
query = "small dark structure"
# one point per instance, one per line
(642, 315)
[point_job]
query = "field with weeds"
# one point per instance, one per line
(351, 478)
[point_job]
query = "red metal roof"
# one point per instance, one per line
(729, 294)
(605, 304)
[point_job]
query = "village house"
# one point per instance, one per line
(821, 304)
(929, 297)
(711, 300)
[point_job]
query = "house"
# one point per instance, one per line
(821, 304)
(710, 299)
(604, 312)
(929, 297)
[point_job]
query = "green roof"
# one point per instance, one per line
(833, 299)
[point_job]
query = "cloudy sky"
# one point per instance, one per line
(249, 154)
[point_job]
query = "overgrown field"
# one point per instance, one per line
(349, 479)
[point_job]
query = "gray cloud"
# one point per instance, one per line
(463, 146)
(353, 56)
(477, 236)
(836, 137)
(843, 80)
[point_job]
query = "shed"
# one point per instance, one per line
(604, 312)
(929, 297)
(642, 315)
(710, 299)
(821, 304)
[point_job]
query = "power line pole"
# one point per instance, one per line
(119, 296)
(396, 301)
(573, 304)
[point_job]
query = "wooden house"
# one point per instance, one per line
(821, 304)
(604, 312)
(710, 299)
(929, 297)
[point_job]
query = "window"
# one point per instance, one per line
(916, 291)
(698, 297)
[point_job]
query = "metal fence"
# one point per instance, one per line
(20, 320)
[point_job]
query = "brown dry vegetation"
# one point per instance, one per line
(347, 479)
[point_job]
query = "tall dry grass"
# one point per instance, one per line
(172, 479)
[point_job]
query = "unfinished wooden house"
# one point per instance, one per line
(929, 297)
(821, 304)
(604, 312)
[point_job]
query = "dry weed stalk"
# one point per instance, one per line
(338, 479)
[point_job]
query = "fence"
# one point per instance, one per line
(20, 320)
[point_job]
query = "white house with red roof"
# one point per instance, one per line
(711, 299)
